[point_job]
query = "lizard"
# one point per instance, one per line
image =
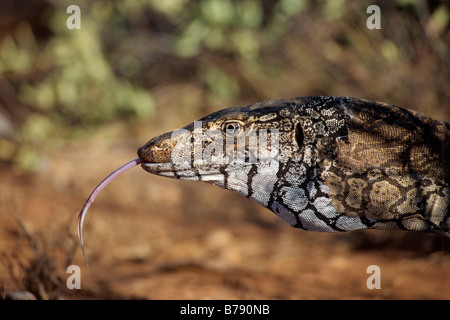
(319, 163)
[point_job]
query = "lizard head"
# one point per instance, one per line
(267, 152)
(223, 147)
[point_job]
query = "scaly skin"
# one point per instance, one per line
(320, 163)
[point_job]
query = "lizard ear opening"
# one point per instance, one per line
(299, 137)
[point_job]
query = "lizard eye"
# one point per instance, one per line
(232, 128)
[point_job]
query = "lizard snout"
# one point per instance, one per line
(157, 150)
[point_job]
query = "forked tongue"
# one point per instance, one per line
(94, 194)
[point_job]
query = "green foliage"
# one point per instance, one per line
(76, 87)
(82, 85)
(235, 27)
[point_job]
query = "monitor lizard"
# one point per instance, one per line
(319, 163)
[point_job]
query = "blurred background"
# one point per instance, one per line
(76, 104)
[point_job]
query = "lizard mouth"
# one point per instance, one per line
(159, 168)
(156, 157)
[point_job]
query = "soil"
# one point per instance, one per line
(149, 237)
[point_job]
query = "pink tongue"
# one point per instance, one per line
(96, 191)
